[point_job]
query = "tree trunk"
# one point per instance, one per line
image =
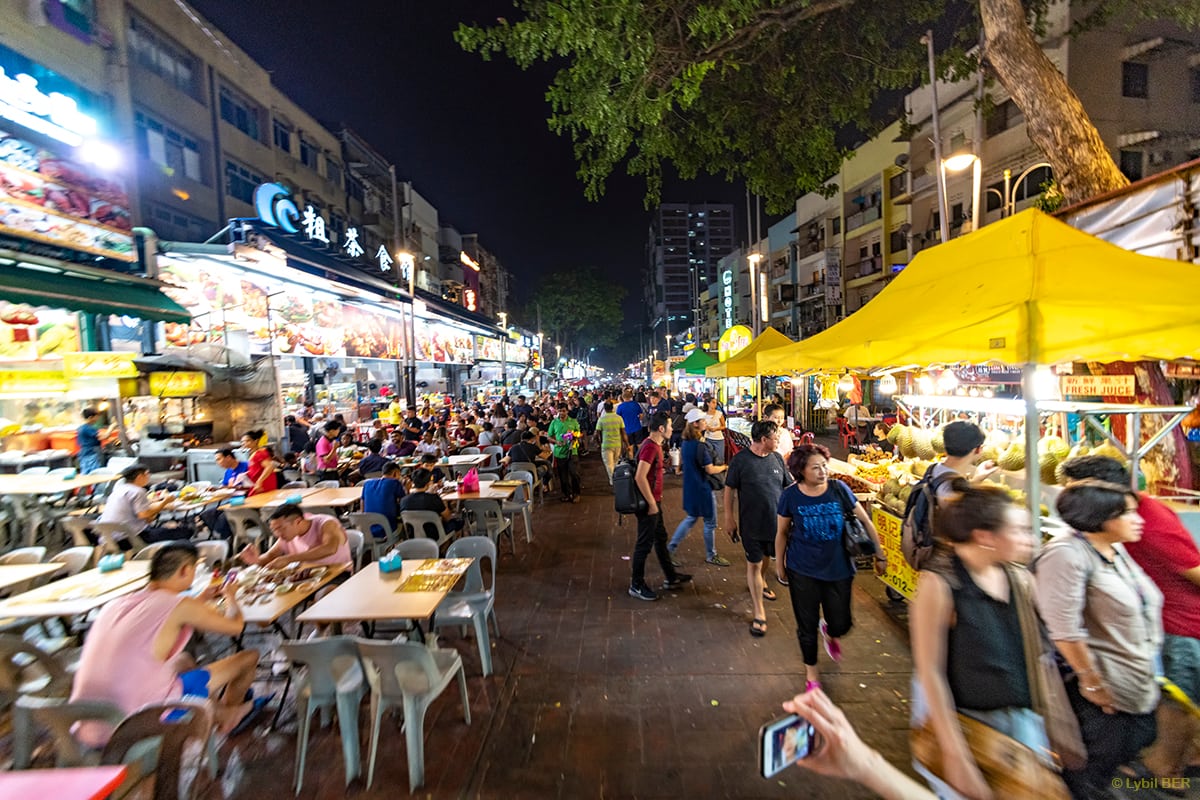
(1055, 118)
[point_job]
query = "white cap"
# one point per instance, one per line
(695, 414)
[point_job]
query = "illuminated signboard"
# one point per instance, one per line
(469, 300)
(275, 208)
(733, 341)
(727, 299)
(51, 114)
(468, 261)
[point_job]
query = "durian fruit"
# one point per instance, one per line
(989, 453)
(1060, 475)
(904, 493)
(906, 444)
(892, 487)
(1013, 458)
(1053, 445)
(1048, 466)
(1108, 449)
(998, 439)
(923, 444)
(893, 434)
(938, 441)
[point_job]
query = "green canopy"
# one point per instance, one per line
(696, 363)
(92, 291)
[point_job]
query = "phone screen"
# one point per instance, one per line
(783, 742)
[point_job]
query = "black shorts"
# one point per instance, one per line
(757, 548)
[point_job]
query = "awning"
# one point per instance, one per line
(696, 363)
(92, 290)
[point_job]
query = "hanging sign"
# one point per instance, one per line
(727, 298)
(1097, 385)
(31, 381)
(178, 384)
(99, 365)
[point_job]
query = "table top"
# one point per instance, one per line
(487, 491)
(74, 783)
(263, 614)
(12, 574)
(371, 595)
(276, 498)
(334, 498)
(78, 594)
(200, 502)
(45, 484)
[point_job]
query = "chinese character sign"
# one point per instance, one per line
(384, 258)
(314, 225)
(352, 248)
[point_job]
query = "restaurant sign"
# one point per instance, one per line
(101, 364)
(275, 208)
(733, 341)
(1097, 385)
(183, 383)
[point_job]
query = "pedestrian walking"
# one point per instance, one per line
(564, 433)
(651, 531)
(820, 574)
(699, 473)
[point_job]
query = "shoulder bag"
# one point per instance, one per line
(857, 541)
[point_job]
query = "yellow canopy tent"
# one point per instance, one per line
(745, 364)
(1026, 290)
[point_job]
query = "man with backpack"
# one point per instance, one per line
(651, 531)
(964, 446)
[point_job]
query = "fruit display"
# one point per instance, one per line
(875, 474)
(894, 495)
(1013, 458)
(856, 484)
(873, 454)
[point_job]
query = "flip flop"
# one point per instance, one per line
(247, 721)
(758, 627)
(768, 594)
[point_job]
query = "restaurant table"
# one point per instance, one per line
(276, 498)
(341, 497)
(12, 574)
(71, 783)
(23, 491)
(269, 613)
(460, 464)
(487, 491)
(78, 594)
(372, 596)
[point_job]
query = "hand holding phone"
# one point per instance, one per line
(783, 742)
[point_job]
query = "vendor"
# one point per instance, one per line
(262, 467)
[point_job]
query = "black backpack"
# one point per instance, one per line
(627, 497)
(916, 531)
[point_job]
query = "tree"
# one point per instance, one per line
(580, 310)
(760, 89)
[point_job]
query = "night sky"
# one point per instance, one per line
(471, 135)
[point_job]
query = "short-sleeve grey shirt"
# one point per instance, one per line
(759, 480)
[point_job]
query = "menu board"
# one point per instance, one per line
(30, 333)
(442, 344)
(488, 349)
(517, 354)
(372, 335)
(58, 202)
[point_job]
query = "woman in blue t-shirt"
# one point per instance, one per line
(698, 463)
(809, 542)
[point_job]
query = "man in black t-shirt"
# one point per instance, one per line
(527, 450)
(424, 497)
(757, 476)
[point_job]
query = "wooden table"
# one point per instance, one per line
(371, 596)
(12, 574)
(487, 491)
(276, 498)
(269, 613)
(45, 484)
(74, 783)
(334, 498)
(78, 594)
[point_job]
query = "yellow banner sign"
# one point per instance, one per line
(900, 575)
(99, 365)
(178, 384)
(1097, 385)
(27, 381)
(733, 341)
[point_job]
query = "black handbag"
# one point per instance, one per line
(855, 539)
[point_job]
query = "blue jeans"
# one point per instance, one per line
(710, 527)
(89, 461)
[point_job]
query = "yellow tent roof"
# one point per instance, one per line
(744, 364)
(1027, 289)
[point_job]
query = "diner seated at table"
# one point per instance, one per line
(428, 445)
(373, 461)
(310, 539)
(488, 437)
(235, 478)
(528, 450)
(511, 434)
(383, 496)
(129, 505)
(347, 447)
(424, 497)
(133, 655)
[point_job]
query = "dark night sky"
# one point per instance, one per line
(470, 134)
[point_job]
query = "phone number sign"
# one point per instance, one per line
(900, 575)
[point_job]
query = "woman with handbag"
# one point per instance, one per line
(972, 686)
(701, 477)
(809, 544)
(1105, 617)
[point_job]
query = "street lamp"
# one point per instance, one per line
(541, 364)
(408, 267)
(1008, 201)
(503, 315)
(959, 162)
(754, 258)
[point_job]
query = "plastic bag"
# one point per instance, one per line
(470, 481)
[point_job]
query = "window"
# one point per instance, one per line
(354, 188)
(154, 52)
(283, 137)
(837, 225)
(1135, 79)
(167, 147)
(240, 181)
(1003, 117)
(1131, 164)
(308, 154)
(239, 112)
(173, 225)
(333, 171)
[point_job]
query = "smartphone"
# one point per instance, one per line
(783, 742)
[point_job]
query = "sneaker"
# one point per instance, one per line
(642, 592)
(679, 580)
(832, 646)
(675, 562)
(717, 560)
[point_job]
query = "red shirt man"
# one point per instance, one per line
(652, 533)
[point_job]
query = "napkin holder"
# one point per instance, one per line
(111, 562)
(390, 563)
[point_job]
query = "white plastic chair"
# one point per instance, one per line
(487, 519)
(24, 555)
(76, 526)
(327, 485)
(414, 523)
(109, 533)
(355, 540)
(531, 468)
(294, 485)
(74, 560)
(475, 603)
(411, 676)
(365, 521)
(35, 471)
(334, 679)
(147, 552)
(496, 452)
(417, 549)
(521, 502)
(469, 451)
(246, 524)
(213, 551)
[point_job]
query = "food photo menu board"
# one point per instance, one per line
(443, 344)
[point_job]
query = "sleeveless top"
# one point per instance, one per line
(985, 656)
(312, 538)
(118, 664)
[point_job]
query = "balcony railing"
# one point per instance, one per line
(867, 267)
(864, 217)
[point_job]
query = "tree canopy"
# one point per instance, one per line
(760, 89)
(580, 309)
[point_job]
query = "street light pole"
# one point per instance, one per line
(503, 352)
(407, 262)
(754, 258)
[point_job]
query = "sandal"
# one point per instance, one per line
(758, 627)
(246, 722)
(770, 595)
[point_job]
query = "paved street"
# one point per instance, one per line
(600, 695)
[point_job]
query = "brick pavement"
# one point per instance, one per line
(596, 694)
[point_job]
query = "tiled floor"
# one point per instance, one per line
(596, 694)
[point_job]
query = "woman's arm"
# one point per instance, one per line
(782, 528)
(929, 626)
(880, 557)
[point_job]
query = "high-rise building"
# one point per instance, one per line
(686, 242)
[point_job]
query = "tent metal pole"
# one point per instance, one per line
(1033, 477)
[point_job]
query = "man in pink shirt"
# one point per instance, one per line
(309, 539)
(134, 656)
(327, 452)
